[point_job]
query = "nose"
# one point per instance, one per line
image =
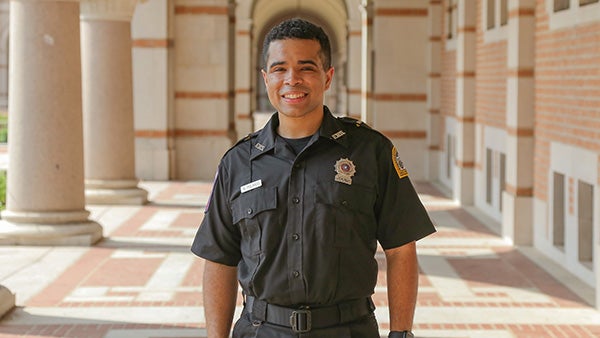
(293, 77)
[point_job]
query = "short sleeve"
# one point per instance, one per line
(401, 216)
(218, 239)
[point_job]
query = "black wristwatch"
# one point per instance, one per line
(401, 334)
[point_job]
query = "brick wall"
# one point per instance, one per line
(490, 103)
(567, 90)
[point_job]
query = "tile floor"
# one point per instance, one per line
(142, 281)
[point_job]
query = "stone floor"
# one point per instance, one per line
(142, 281)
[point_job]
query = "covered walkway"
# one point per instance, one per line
(142, 281)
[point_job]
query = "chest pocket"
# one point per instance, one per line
(352, 210)
(246, 211)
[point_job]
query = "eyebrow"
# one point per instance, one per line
(302, 62)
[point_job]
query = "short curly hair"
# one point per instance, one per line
(299, 29)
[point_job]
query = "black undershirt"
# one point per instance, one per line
(297, 144)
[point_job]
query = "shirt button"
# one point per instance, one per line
(296, 274)
(249, 211)
(296, 237)
(298, 165)
(295, 200)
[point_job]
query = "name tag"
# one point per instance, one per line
(250, 186)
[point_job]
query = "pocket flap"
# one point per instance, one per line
(253, 202)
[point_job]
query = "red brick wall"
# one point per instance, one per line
(567, 90)
(490, 102)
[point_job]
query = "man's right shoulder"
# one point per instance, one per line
(240, 144)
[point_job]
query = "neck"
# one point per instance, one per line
(298, 127)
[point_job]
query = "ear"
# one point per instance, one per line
(329, 77)
(264, 75)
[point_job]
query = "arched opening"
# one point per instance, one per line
(332, 19)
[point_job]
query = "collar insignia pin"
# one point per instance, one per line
(259, 146)
(345, 169)
(338, 135)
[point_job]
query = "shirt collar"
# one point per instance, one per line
(331, 128)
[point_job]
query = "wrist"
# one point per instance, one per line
(401, 334)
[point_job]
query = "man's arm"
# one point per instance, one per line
(220, 294)
(402, 284)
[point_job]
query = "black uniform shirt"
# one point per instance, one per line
(303, 229)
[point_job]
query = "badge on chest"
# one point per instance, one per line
(344, 169)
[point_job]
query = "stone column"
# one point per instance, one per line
(108, 103)
(4, 22)
(243, 78)
(463, 189)
(354, 68)
(45, 202)
(434, 87)
(400, 79)
(517, 199)
(366, 86)
(7, 300)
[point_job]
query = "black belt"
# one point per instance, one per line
(304, 319)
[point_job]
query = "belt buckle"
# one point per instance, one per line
(300, 321)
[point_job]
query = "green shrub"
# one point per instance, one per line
(2, 190)
(3, 128)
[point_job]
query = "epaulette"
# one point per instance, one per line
(245, 138)
(351, 120)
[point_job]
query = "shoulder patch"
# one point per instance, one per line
(398, 165)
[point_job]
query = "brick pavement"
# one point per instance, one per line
(142, 281)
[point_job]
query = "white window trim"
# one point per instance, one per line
(499, 32)
(578, 164)
(573, 16)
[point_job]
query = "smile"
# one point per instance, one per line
(294, 96)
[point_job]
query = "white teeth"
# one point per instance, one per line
(293, 96)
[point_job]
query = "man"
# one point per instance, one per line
(298, 207)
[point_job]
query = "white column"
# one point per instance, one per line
(465, 102)
(45, 202)
(108, 103)
(354, 68)
(7, 300)
(517, 217)
(434, 88)
(243, 78)
(366, 87)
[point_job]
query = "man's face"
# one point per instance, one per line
(295, 78)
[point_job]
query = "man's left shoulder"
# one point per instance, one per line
(360, 126)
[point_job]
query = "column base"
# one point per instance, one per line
(120, 192)
(80, 233)
(7, 301)
(517, 218)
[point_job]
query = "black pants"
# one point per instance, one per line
(362, 328)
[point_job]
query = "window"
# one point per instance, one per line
(488, 175)
(496, 13)
(558, 211)
(561, 5)
(570, 13)
(452, 19)
(585, 215)
(502, 179)
(503, 12)
(450, 155)
(491, 14)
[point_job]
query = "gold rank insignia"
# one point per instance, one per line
(402, 172)
(345, 169)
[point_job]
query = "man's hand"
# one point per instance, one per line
(219, 288)
(402, 284)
